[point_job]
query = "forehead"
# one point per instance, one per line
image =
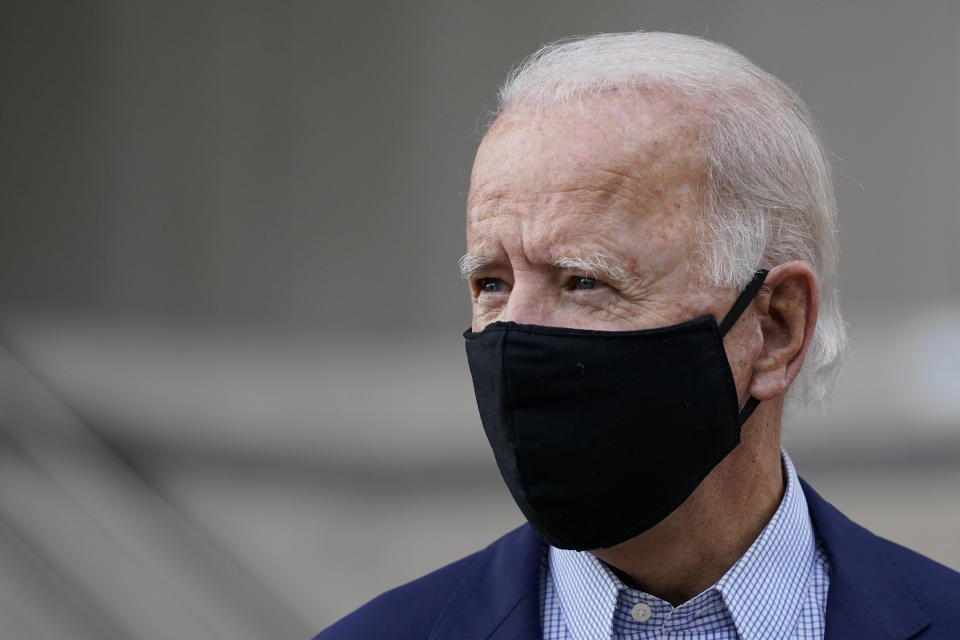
(648, 139)
(609, 164)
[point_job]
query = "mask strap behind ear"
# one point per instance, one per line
(743, 301)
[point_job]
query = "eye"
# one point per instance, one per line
(489, 285)
(584, 284)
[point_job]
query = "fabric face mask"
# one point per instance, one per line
(599, 435)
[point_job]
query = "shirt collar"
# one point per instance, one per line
(763, 592)
(587, 590)
(765, 589)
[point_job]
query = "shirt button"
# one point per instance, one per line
(641, 612)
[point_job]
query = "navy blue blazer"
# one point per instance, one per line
(878, 590)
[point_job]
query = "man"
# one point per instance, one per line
(651, 256)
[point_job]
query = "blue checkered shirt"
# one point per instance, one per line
(776, 590)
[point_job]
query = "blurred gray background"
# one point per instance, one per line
(234, 402)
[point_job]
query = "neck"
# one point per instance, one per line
(695, 545)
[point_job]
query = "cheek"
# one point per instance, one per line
(482, 316)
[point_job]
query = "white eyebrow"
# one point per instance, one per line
(470, 264)
(596, 265)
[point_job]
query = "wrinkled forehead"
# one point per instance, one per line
(645, 142)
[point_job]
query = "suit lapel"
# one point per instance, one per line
(499, 596)
(869, 596)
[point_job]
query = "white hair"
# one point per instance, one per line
(769, 193)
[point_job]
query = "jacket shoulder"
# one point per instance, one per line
(485, 585)
(935, 585)
(879, 588)
(407, 611)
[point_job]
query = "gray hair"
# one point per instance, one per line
(769, 190)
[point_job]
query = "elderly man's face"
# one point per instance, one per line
(588, 218)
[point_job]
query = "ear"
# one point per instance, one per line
(788, 314)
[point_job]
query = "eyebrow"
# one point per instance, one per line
(470, 264)
(595, 265)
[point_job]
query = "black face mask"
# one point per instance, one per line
(600, 435)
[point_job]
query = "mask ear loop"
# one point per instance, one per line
(743, 301)
(741, 304)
